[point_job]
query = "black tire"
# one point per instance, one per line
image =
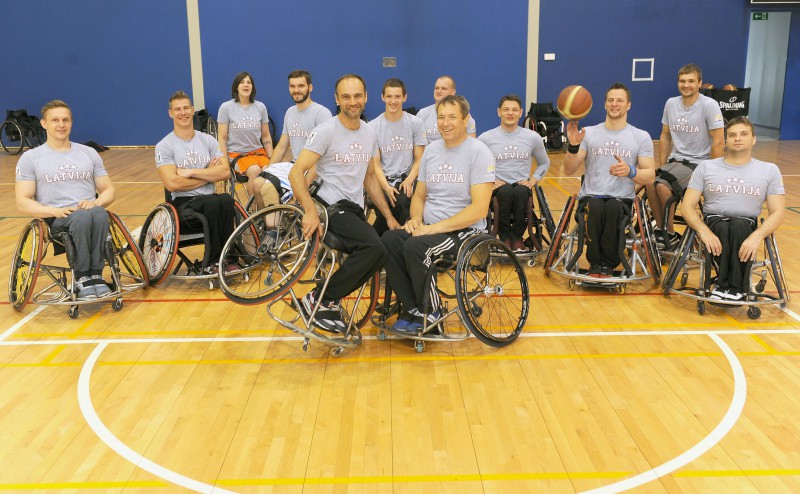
(211, 127)
(127, 250)
(558, 236)
(11, 137)
(545, 213)
(262, 252)
(25, 264)
(647, 237)
(369, 300)
(483, 282)
(777, 269)
(158, 242)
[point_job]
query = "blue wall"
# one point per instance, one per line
(114, 63)
(595, 43)
(790, 113)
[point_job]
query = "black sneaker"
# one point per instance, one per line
(605, 272)
(329, 314)
(673, 241)
(594, 270)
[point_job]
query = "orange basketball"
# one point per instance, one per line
(729, 87)
(574, 102)
(707, 85)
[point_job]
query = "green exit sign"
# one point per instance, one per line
(759, 16)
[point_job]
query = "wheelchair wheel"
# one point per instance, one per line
(25, 264)
(158, 242)
(492, 293)
(545, 213)
(11, 137)
(648, 239)
(558, 236)
(369, 300)
(126, 250)
(777, 269)
(211, 127)
(270, 255)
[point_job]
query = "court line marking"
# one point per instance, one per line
(715, 436)
(21, 323)
(787, 310)
(105, 435)
(257, 339)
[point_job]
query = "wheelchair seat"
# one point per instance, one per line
(545, 121)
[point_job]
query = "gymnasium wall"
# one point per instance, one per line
(790, 113)
(117, 63)
(595, 44)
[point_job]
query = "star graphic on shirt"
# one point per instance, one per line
(509, 148)
(248, 118)
(397, 138)
(67, 166)
(682, 120)
(612, 143)
(734, 180)
(356, 146)
(295, 125)
(445, 166)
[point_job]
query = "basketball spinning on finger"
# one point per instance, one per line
(574, 102)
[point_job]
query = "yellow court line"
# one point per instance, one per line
(404, 479)
(555, 184)
(761, 342)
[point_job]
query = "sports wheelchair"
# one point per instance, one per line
(540, 228)
(21, 130)
(638, 253)
(271, 258)
(545, 121)
(166, 235)
(128, 271)
(692, 255)
(490, 289)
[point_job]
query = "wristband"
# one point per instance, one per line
(573, 148)
(631, 173)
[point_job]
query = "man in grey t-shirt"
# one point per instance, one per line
(342, 149)
(616, 157)
(401, 141)
(298, 122)
(66, 184)
(521, 162)
(691, 132)
(188, 163)
(450, 203)
(734, 189)
(445, 86)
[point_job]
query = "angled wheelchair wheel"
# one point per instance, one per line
(25, 264)
(557, 241)
(644, 228)
(129, 255)
(211, 127)
(492, 291)
(158, 242)
(776, 270)
(269, 255)
(12, 137)
(369, 300)
(545, 213)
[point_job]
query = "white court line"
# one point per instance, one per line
(784, 309)
(708, 442)
(259, 339)
(105, 435)
(21, 323)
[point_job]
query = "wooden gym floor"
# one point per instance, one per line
(183, 390)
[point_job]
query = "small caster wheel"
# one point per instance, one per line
(753, 312)
(419, 346)
(210, 284)
(305, 345)
(73, 312)
(336, 351)
(477, 311)
(246, 277)
(381, 335)
(684, 279)
(701, 307)
(117, 304)
(571, 284)
(761, 285)
(531, 262)
(621, 289)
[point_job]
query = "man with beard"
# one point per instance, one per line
(342, 149)
(298, 123)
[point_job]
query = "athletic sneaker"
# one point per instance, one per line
(594, 270)
(734, 295)
(718, 293)
(508, 243)
(402, 323)
(84, 288)
(605, 272)
(418, 321)
(328, 316)
(101, 289)
(517, 245)
(673, 241)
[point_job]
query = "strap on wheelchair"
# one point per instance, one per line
(687, 163)
(677, 190)
(624, 223)
(62, 242)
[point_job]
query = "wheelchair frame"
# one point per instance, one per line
(692, 254)
(121, 252)
(280, 250)
(540, 229)
(470, 273)
(638, 252)
(16, 134)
